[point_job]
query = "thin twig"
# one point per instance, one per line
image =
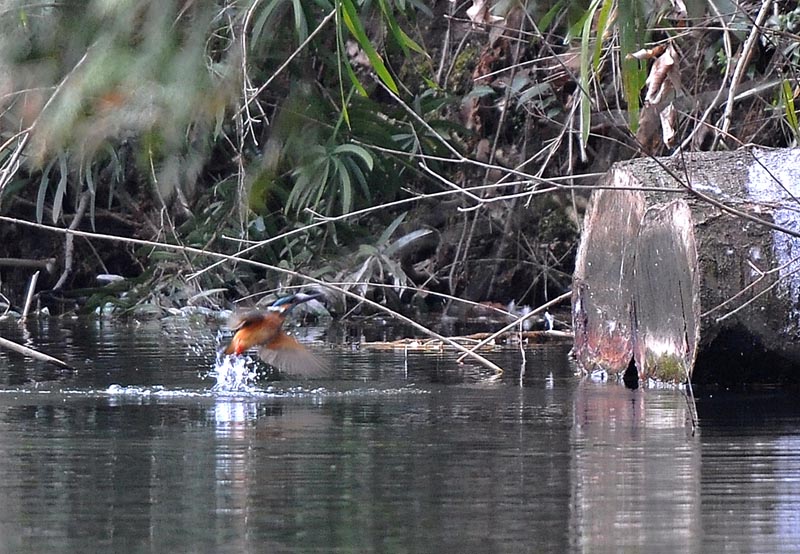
(29, 296)
(10, 166)
(743, 62)
(69, 245)
(31, 353)
(291, 57)
(519, 321)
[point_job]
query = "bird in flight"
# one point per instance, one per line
(264, 329)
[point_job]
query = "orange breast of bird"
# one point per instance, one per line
(264, 330)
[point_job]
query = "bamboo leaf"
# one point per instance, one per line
(634, 74)
(353, 23)
(355, 170)
(44, 184)
(343, 61)
(356, 150)
(405, 42)
(345, 184)
(406, 240)
(788, 103)
(547, 18)
(300, 23)
(263, 18)
(389, 231)
(585, 82)
(61, 190)
(539, 90)
(603, 22)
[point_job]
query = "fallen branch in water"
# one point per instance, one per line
(478, 341)
(31, 353)
(519, 321)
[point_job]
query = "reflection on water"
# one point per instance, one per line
(397, 452)
(639, 443)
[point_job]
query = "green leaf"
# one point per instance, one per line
(480, 91)
(518, 82)
(345, 184)
(263, 18)
(44, 184)
(634, 74)
(355, 170)
(353, 23)
(300, 23)
(366, 250)
(362, 153)
(540, 90)
(405, 42)
(788, 103)
(603, 21)
(551, 14)
(389, 231)
(61, 190)
(406, 240)
(585, 81)
(344, 61)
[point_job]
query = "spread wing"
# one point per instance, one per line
(289, 356)
(242, 319)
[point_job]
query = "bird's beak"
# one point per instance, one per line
(301, 297)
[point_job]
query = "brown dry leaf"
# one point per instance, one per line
(471, 114)
(663, 78)
(647, 135)
(668, 117)
(487, 61)
(479, 13)
(647, 53)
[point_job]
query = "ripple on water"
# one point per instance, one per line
(234, 378)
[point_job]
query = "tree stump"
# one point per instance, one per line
(690, 268)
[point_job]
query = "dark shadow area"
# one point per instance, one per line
(736, 359)
(631, 376)
(748, 412)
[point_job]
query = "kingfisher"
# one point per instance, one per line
(263, 328)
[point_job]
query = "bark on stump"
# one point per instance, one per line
(665, 278)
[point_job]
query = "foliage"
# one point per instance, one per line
(377, 262)
(218, 124)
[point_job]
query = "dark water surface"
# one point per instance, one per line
(395, 453)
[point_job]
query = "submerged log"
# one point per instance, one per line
(692, 261)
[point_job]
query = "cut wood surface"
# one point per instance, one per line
(670, 277)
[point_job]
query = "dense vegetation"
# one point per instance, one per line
(404, 150)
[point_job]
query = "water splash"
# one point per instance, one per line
(233, 373)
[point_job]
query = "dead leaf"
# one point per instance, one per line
(668, 116)
(663, 78)
(479, 14)
(647, 134)
(647, 53)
